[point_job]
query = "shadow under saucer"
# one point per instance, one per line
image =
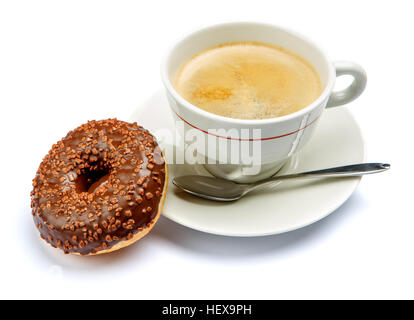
(241, 247)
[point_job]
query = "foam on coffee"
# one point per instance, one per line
(248, 80)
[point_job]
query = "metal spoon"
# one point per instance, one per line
(224, 190)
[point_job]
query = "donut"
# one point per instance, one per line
(99, 189)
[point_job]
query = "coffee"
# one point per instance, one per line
(248, 80)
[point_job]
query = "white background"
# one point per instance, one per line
(65, 62)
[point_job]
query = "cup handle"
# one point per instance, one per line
(354, 90)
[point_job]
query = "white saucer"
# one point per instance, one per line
(285, 207)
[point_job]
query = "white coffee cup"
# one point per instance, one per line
(280, 137)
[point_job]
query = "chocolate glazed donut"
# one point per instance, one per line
(100, 188)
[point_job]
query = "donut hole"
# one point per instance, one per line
(91, 178)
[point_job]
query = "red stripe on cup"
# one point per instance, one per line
(230, 138)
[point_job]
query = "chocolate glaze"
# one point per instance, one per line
(99, 185)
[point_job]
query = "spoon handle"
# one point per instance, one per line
(344, 171)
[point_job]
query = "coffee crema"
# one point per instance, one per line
(248, 80)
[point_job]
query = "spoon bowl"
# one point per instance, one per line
(210, 188)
